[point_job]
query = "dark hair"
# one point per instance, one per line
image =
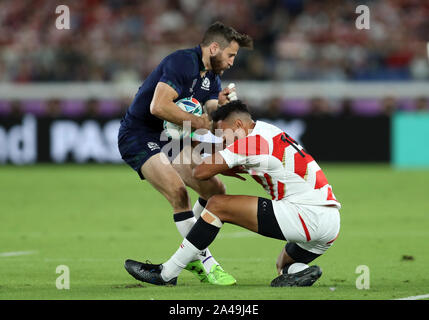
(222, 34)
(223, 112)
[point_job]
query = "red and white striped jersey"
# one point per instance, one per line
(281, 166)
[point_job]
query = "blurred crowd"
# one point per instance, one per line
(59, 108)
(274, 108)
(123, 40)
(322, 107)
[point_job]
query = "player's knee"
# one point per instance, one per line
(216, 205)
(182, 197)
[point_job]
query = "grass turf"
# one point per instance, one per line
(92, 217)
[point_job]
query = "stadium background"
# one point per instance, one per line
(352, 97)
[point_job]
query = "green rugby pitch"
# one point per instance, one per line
(91, 218)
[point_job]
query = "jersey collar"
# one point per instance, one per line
(199, 53)
(257, 126)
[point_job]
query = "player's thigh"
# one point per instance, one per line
(205, 188)
(160, 173)
(235, 209)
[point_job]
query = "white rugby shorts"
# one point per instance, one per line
(313, 228)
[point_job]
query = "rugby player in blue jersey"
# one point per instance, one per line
(185, 73)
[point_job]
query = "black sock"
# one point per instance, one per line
(202, 234)
(202, 202)
(181, 216)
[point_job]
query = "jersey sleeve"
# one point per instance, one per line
(217, 87)
(177, 71)
(248, 151)
(232, 159)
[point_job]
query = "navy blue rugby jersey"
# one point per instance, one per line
(181, 70)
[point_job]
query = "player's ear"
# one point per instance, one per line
(239, 123)
(241, 129)
(214, 48)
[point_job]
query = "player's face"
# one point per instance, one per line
(224, 59)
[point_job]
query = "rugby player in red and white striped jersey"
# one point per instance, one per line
(302, 210)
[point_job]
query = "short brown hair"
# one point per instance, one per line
(223, 35)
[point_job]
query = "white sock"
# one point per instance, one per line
(297, 267)
(205, 257)
(184, 222)
(186, 253)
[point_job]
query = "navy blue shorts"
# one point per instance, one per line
(137, 145)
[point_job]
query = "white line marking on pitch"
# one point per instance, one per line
(16, 253)
(423, 296)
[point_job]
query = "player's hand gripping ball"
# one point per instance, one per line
(175, 131)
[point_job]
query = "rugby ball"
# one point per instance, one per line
(175, 131)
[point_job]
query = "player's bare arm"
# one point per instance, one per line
(282, 260)
(162, 106)
(213, 165)
(210, 167)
